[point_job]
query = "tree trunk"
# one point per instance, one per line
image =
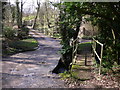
(38, 9)
(21, 13)
(65, 61)
(47, 16)
(18, 15)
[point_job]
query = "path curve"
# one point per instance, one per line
(32, 69)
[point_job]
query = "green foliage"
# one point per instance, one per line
(69, 22)
(24, 45)
(57, 35)
(9, 33)
(69, 74)
(75, 74)
(75, 66)
(65, 49)
(108, 69)
(66, 74)
(28, 18)
(105, 70)
(105, 15)
(23, 32)
(20, 46)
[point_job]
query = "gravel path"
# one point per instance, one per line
(32, 69)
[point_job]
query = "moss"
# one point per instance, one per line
(74, 75)
(75, 66)
(77, 73)
(66, 74)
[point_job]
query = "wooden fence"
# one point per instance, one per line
(95, 52)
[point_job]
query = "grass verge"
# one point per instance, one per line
(20, 46)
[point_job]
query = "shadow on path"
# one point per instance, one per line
(27, 69)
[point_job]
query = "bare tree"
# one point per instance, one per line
(12, 12)
(19, 12)
(48, 21)
(38, 9)
(41, 17)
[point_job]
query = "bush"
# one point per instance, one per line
(19, 46)
(23, 33)
(24, 45)
(9, 33)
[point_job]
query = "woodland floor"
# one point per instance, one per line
(32, 69)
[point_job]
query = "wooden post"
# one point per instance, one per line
(85, 59)
(101, 59)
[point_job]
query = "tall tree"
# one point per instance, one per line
(19, 7)
(21, 13)
(69, 24)
(18, 14)
(2, 9)
(13, 12)
(46, 8)
(37, 14)
(105, 15)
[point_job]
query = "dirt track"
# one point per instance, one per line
(32, 69)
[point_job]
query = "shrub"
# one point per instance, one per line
(9, 33)
(23, 32)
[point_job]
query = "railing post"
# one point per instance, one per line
(86, 59)
(99, 57)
